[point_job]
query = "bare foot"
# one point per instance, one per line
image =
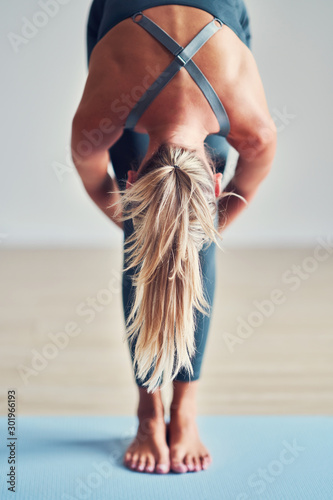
(187, 453)
(149, 451)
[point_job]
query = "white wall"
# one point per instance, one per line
(42, 83)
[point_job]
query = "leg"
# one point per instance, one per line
(187, 453)
(128, 291)
(149, 451)
(208, 267)
(186, 450)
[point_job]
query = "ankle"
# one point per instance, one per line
(152, 415)
(150, 405)
(186, 408)
(184, 398)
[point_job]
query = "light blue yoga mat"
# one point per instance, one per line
(254, 457)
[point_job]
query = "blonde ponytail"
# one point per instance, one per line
(173, 212)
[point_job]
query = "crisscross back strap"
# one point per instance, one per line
(183, 58)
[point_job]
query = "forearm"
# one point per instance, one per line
(100, 195)
(98, 183)
(93, 170)
(99, 188)
(249, 174)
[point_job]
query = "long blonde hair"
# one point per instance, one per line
(173, 212)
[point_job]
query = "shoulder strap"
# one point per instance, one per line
(183, 58)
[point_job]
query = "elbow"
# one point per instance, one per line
(82, 149)
(269, 143)
(267, 136)
(265, 140)
(260, 144)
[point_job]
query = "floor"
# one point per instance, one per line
(269, 351)
(254, 457)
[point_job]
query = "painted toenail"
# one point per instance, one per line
(162, 467)
(180, 467)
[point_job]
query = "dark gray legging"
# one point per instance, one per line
(127, 153)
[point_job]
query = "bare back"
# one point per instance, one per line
(127, 60)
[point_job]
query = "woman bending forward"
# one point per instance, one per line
(169, 89)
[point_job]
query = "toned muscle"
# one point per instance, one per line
(127, 60)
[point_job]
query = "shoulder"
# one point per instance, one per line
(246, 105)
(101, 89)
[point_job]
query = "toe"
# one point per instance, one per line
(141, 463)
(205, 461)
(150, 465)
(189, 462)
(196, 463)
(162, 468)
(163, 462)
(177, 464)
(162, 465)
(134, 461)
(127, 458)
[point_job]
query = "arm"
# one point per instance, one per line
(91, 161)
(252, 134)
(95, 128)
(255, 160)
